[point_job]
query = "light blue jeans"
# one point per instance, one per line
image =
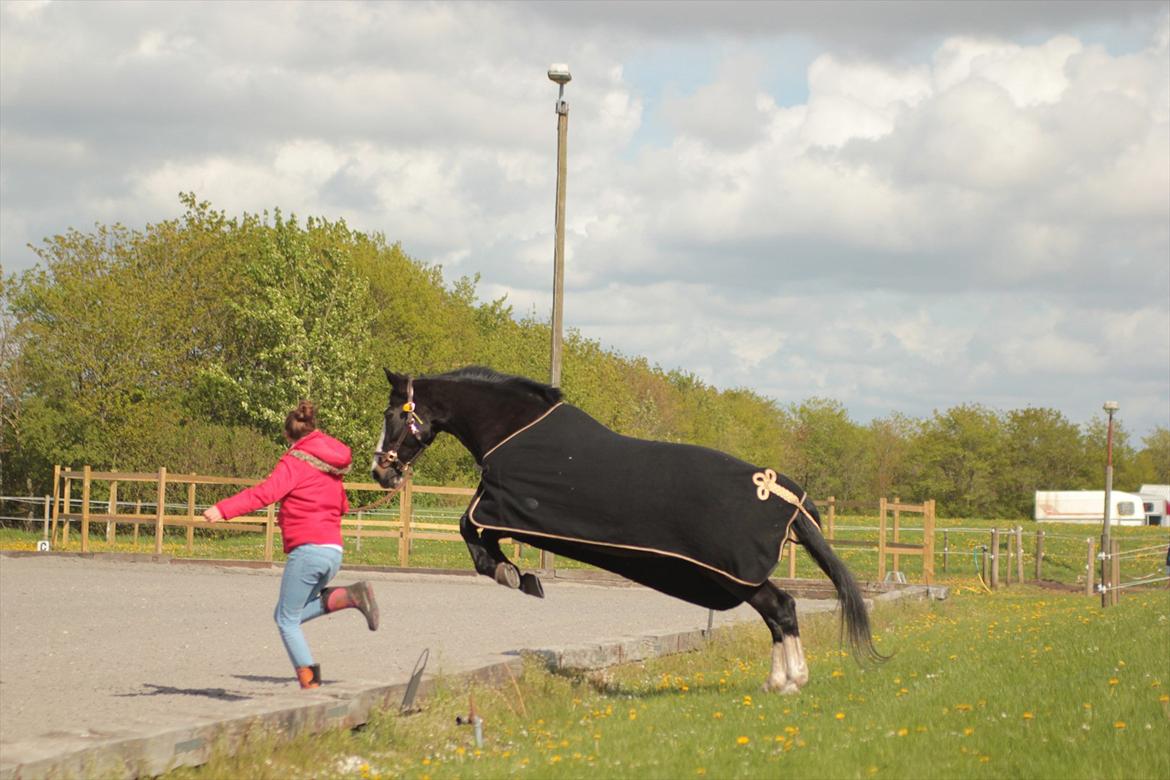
(307, 571)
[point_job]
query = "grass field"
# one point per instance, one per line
(1065, 549)
(1023, 683)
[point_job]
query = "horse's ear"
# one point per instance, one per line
(397, 381)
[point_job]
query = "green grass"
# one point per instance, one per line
(1023, 684)
(1065, 549)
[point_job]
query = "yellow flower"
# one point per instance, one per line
(903, 731)
(1165, 697)
(1119, 724)
(840, 716)
(703, 771)
(968, 731)
(554, 759)
(633, 714)
(1113, 681)
(719, 715)
(742, 740)
(839, 673)
(747, 701)
(1027, 716)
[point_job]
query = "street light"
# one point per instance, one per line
(1106, 550)
(558, 73)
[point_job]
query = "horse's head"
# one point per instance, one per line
(406, 432)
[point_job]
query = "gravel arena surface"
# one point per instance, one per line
(92, 648)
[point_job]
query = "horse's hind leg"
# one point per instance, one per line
(789, 670)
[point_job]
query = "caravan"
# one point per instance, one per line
(1155, 502)
(1088, 506)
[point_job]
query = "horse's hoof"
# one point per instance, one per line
(786, 688)
(530, 584)
(508, 575)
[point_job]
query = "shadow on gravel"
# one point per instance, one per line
(167, 690)
(264, 678)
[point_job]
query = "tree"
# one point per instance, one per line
(957, 459)
(1043, 451)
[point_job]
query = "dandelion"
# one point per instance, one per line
(1164, 698)
(838, 673)
(742, 740)
(840, 716)
(747, 701)
(718, 716)
(633, 714)
(1119, 725)
(1028, 716)
(1113, 681)
(701, 771)
(968, 731)
(903, 731)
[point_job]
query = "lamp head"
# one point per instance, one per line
(1111, 406)
(559, 72)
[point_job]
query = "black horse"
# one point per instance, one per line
(690, 522)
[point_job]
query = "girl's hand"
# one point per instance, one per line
(212, 514)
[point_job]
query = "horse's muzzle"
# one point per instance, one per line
(388, 477)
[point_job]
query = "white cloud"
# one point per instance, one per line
(951, 206)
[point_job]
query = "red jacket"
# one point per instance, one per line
(312, 501)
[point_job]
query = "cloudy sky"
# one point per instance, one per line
(901, 206)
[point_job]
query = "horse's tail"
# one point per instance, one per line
(854, 618)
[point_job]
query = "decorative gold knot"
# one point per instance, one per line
(765, 482)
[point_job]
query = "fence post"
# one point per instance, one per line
(1090, 567)
(791, 561)
(897, 525)
(67, 500)
(191, 516)
(882, 539)
(56, 507)
(269, 532)
(994, 558)
(946, 550)
(85, 487)
(832, 516)
(404, 510)
(45, 532)
(928, 541)
(112, 508)
(1039, 554)
(359, 532)
(1020, 554)
(138, 513)
(161, 510)
(1115, 571)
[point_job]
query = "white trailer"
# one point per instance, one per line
(1156, 502)
(1088, 506)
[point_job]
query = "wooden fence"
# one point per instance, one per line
(401, 526)
(889, 520)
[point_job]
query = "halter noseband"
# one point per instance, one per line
(389, 458)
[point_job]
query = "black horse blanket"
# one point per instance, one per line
(566, 478)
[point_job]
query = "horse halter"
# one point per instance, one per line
(389, 458)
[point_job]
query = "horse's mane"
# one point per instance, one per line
(522, 384)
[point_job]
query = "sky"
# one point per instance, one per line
(900, 206)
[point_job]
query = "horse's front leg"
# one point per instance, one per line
(481, 556)
(490, 561)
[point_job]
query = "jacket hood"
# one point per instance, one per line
(323, 446)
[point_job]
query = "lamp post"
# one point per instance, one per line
(1106, 550)
(558, 73)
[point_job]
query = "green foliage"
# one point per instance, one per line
(185, 343)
